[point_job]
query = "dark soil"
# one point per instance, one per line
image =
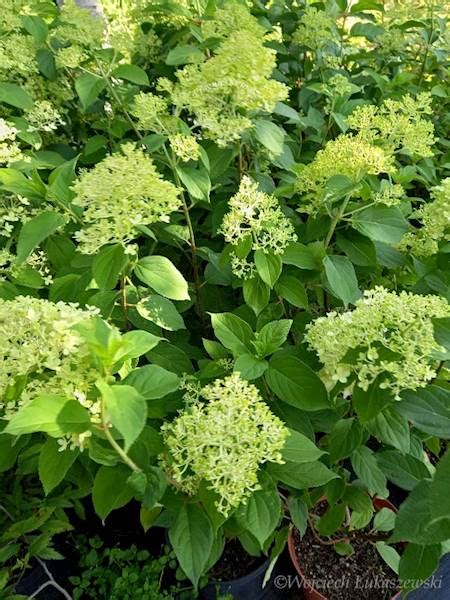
(234, 563)
(364, 574)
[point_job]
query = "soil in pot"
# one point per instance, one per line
(362, 574)
(234, 563)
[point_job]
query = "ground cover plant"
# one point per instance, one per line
(224, 276)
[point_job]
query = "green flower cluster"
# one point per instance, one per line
(224, 91)
(42, 353)
(185, 147)
(223, 442)
(397, 125)
(9, 149)
(257, 217)
(387, 336)
(434, 217)
(119, 194)
(316, 29)
(351, 156)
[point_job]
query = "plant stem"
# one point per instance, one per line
(120, 451)
(335, 221)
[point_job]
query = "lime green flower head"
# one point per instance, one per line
(316, 29)
(253, 213)
(233, 16)
(9, 149)
(225, 91)
(387, 336)
(185, 147)
(120, 193)
(79, 26)
(347, 155)
(398, 125)
(223, 442)
(42, 353)
(434, 217)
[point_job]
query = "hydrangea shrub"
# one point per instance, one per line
(224, 275)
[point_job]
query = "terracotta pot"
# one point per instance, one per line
(309, 592)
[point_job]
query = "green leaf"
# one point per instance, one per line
(418, 563)
(36, 26)
(295, 383)
(268, 266)
(389, 554)
(192, 537)
(300, 256)
(14, 181)
(345, 437)
(111, 489)
(35, 231)
(414, 522)
(292, 290)
(298, 510)
(442, 336)
(233, 332)
(161, 275)
(300, 449)
(382, 224)
(89, 87)
(250, 367)
(46, 63)
(51, 414)
(368, 404)
(440, 490)
(302, 476)
(131, 73)
(342, 279)
(152, 381)
(54, 464)
(384, 520)
(332, 519)
(391, 428)
(359, 249)
(196, 181)
(272, 336)
(162, 312)
(138, 342)
(126, 410)
(405, 471)
(261, 514)
(428, 409)
(256, 294)
(108, 265)
(270, 135)
(12, 94)
(182, 55)
(365, 465)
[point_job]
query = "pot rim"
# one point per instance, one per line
(378, 504)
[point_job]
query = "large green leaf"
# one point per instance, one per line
(261, 514)
(342, 279)
(51, 414)
(126, 409)
(391, 428)
(272, 336)
(89, 87)
(295, 383)
(418, 563)
(152, 381)
(300, 449)
(256, 294)
(428, 409)
(12, 94)
(365, 465)
(192, 536)
(162, 312)
(132, 73)
(35, 231)
(270, 135)
(111, 489)
(108, 265)
(233, 332)
(381, 223)
(406, 471)
(302, 476)
(54, 464)
(345, 436)
(162, 276)
(269, 267)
